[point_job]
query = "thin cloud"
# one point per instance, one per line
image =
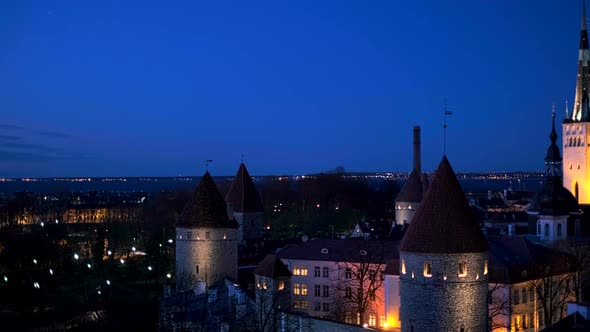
(9, 138)
(53, 134)
(6, 126)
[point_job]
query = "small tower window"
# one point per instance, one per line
(427, 269)
(463, 269)
(189, 235)
(281, 285)
(485, 267)
(558, 229)
(403, 267)
(197, 269)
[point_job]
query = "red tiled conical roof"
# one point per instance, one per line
(207, 207)
(272, 267)
(412, 189)
(242, 195)
(444, 222)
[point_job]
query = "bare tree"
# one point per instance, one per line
(499, 307)
(553, 291)
(359, 283)
(580, 256)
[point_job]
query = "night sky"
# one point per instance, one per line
(153, 88)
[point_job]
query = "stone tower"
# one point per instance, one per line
(576, 127)
(206, 238)
(273, 295)
(243, 203)
(410, 196)
(443, 262)
(553, 204)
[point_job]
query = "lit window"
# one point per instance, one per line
(348, 273)
(264, 286)
(297, 289)
(303, 289)
(427, 269)
(372, 320)
(403, 267)
(372, 295)
(299, 270)
(462, 269)
(281, 285)
(485, 267)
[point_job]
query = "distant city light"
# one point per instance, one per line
(133, 249)
(51, 271)
(170, 241)
(108, 282)
(317, 205)
(168, 276)
(365, 325)
(76, 256)
(42, 224)
(36, 285)
(109, 252)
(149, 268)
(5, 279)
(34, 261)
(56, 221)
(98, 292)
(160, 245)
(122, 261)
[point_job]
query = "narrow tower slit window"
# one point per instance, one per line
(427, 269)
(463, 269)
(403, 266)
(485, 267)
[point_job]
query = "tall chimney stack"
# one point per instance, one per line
(417, 160)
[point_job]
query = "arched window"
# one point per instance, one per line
(558, 229)
(547, 230)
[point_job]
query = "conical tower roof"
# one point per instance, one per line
(412, 189)
(444, 222)
(553, 153)
(272, 267)
(242, 195)
(207, 208)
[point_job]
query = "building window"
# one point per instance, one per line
(300, 304)
(539, 228)
(189, 235)
(372, 274)
(326, 291)
(300, 289)
(485, 267)
(558, 229)
(547, 230)
(403, 266)
(531, 294)
(348, 292)
(317, 306)
(316, 271)
(325, 307)
(372, 320)
(427, 269)
(326, 272)
(524, 295)
(515, 297)
(463, 269)
(197, 269)
(348, 318)
(348, 273)
(281, 285)
(299, 270)
(317, 290)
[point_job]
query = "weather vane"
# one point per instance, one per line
(447, 113)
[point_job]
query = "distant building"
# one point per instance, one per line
(410, 196)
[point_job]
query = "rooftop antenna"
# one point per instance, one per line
(207, 163)
(447, 113)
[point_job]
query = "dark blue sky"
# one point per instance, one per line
(126, 88)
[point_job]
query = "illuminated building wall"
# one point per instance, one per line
(576, 160)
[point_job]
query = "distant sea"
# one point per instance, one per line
(173, 184)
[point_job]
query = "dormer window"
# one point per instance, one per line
(324, 250)
(427, 269)
(462, 269)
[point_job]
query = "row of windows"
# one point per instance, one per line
(264, 285)
(427, 271)
(572, 141)
(520, 296)
(546, 229)
(319, 306)
(189, 236)
(324, 272)
(351, 318)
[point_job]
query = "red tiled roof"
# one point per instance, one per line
(272, 267)
(207, 207)
(444, 221)
(412, 189)
(242, 194)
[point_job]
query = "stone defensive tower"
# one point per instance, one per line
(410, 196)
(443, 262)
(206, 238)
(243, 203)
(576, 127)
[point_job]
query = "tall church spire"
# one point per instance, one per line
(583, 78)
(553, 158)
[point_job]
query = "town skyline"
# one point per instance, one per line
(107, 89)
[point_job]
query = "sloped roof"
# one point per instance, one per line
(272, 267)
(553, 199)
(242, 194)
(514, 259)
(377, 251)
(412, 189)
(207, 207)
(444, 221)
